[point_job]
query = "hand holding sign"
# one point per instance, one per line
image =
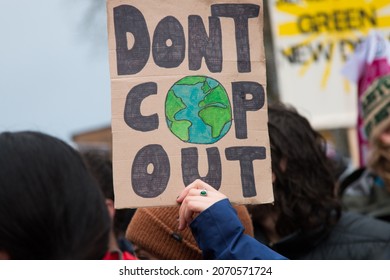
(194, 199)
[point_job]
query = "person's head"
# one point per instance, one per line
(154, 233)
(376, 119)
(100, 165)
(50, 206)
(304, 186)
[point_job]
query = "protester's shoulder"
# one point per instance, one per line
(364, 192)
(355, 237)
(354, 226)
(357, 183)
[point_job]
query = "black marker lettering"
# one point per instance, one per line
(200, 45)
(128, 19)
(146, 183)
(246, 155)
(240, 13)
(169, 44)
(132, 114)
(241, 105)
(190, 162)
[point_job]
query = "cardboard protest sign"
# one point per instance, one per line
(188, 100)
(313, 40)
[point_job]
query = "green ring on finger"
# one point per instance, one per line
(203, 193)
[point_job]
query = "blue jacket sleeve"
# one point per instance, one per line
(220, 235)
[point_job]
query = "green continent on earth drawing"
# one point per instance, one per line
(198, 110)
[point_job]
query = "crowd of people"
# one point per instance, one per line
(58, 203)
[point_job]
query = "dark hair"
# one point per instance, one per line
(50, 206)
(100, 165)
(304, 186)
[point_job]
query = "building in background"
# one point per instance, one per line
(94, 139)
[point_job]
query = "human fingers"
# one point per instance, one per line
(197, 184)
(188, 209)
(195, 202)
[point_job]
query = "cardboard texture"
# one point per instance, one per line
(188, 100)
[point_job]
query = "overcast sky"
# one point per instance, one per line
(54, 74)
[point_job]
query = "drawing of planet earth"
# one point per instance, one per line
(197, 110)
